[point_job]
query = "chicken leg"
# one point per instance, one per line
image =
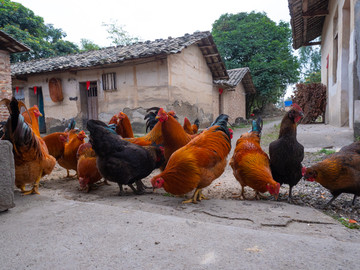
(35, 188)
(197, 197)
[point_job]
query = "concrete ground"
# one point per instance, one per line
(54, 231)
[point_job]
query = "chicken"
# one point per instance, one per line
(154, 137)
(55, 143)
(32, 159)
(31, 117)
(339, 173)
(87, 170)
(198, 163)
(352, 148)
(191, 129)
(121, 161)
(187, 126)
(286, 153)
(68, 160)
(251, 165)
(174, 135)
(195, 126)
(123, 125)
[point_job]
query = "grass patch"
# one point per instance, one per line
(168, 195)
(242, 125)
(349, 223)
(326, 151)
(271, 136)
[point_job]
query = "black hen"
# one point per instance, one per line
(286, 153)
(121, 161)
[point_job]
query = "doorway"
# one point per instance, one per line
(89, 102)
(37, 98)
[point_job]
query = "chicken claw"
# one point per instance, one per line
(34, 190)
(197, 197)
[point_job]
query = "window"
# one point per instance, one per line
(109, 81)
(19, 95)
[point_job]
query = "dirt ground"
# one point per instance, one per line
(225, 187)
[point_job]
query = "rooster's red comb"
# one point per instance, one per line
(297, 107)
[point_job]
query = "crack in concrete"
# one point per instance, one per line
(223, 217)
(298, 221)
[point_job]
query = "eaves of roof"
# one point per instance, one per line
(307, 20)
(236, 76)
(10, 44)
(123, 54)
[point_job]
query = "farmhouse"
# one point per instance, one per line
(338, 24)
(184, 74)
(8, 45)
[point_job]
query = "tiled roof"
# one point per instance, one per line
(307, 20)
(237, 76)
(121, 54)
(10, 44)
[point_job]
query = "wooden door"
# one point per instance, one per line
(92, 101)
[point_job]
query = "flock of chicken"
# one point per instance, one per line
(188, 160)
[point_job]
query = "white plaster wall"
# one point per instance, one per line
(190, 80)
(339, 110)
(140, 85)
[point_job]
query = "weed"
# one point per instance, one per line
(349, 223)
(326, 151)
(168, 195)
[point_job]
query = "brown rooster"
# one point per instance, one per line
(198, 163)
(154, 137)
(286, 153)
(339, 173)
(31, 117)
(187, 126)
(123, 125)
(251, 165)
(87, 170)
(68, 160)
(195, 126)
(174, 135)
(32, 159)
(55, 143)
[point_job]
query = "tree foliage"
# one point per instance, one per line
(253, 40)
(310, 64)
(118, 35)
(311, 98)
(44, 39)
(88, 45)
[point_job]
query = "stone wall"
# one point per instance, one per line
(5, 82)
(7, 176)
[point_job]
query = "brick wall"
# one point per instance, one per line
(5, 82)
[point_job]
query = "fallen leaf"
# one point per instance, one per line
(352, 221)
(253, 249)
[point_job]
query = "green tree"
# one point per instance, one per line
(253, 40)
(118, 35)
(88, 45)
(44, 39)
(310, 64)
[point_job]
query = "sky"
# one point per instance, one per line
(145, 19)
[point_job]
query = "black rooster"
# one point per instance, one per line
(286, 153)
(121, 161)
